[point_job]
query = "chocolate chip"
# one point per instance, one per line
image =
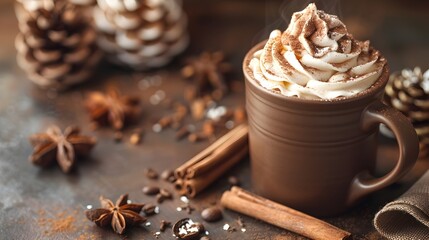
(150, 173)
(149, 210)
(164, 225)
(168, 175)
(150, 190)
(233, 181)
(187, 229)
(211, 214)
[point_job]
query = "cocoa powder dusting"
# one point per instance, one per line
(56, 223)
(63, 222)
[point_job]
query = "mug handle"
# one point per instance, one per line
(376, 113)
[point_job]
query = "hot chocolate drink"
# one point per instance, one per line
(316, 58)
(313, 98)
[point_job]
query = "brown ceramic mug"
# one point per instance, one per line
(317, 156)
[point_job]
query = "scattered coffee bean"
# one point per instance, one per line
(163, 195)
(168, 175)
(150, 190)
(205, 238)
(159, 198)
(211, 214)
(149, 209)
(233, 181)
(166, 121)
(150, 173)
(167, 194)
(187, 229)
(164, 225)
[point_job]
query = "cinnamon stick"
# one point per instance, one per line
(279, 215)
(207, 166)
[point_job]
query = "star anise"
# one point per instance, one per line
(112, 108)
(62, 147)
(208, 73)
(119, 215)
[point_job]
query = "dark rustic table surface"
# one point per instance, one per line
(32, 198)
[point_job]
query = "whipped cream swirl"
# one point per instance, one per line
(316, 58)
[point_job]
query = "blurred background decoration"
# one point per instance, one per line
(56, 45)
(398, 28)
(141, 34)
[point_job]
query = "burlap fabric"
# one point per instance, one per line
(408, 216)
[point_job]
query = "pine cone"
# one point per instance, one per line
(408, 91)
(141, 34)
(56, 44)
(85, 6)
(84, 3)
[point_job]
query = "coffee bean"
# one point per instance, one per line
(205, 238)
(163, 195)
(233, 181)
(150, 173)
(168, 175)
(211, 214)
(187, 229)
(164, 225)
(150, 190)
(159, 198)
(149, 210)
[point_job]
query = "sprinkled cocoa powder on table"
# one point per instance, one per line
(57, 223)
(64, 222)
(87, 236)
